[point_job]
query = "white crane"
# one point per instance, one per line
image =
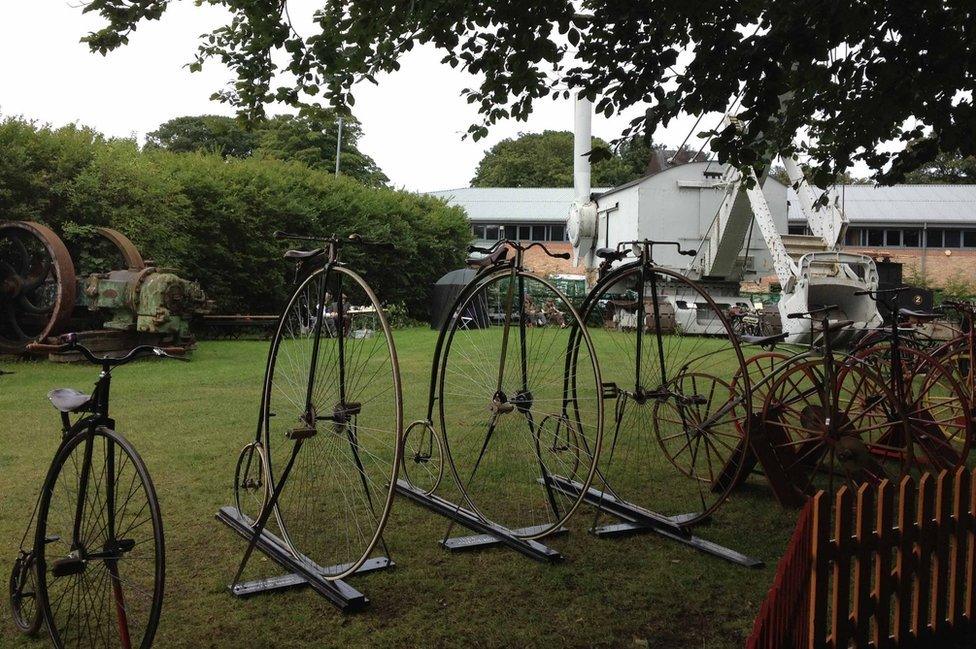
(810, 268)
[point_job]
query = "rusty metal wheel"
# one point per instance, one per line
(99, 250)
(37, 284)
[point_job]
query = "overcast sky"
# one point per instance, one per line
(413, 120)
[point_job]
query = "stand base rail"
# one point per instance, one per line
(488, 535)
(302, 571)
(636, 519)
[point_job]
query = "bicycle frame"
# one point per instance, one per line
(461, 298)
(323, 261)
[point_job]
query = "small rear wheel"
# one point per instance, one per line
(250, 484)
(422, 457)
(23, 595)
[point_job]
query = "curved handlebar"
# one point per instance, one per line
(959, 305)
(518, 246)
(882, 291)
(335, 240)
(823, 310)
(650, 243)
(69, 342)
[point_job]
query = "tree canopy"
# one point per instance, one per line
(857, 74)
(947, 169)
(546, 160)
(311, 141)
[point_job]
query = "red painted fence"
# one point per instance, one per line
(876, 568)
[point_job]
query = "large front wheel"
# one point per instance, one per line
(514, 436)
(677, 428)
(100, 559)
(333, 412)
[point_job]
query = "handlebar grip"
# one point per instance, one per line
(278, 234)
(173, 351)
(46, 349)
(562, 255)
(688, 253)
(862, 292)
(795, 316)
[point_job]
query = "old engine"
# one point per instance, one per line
(108, 293)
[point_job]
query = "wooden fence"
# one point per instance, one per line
(884, 566)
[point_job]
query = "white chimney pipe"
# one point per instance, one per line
(582, 144)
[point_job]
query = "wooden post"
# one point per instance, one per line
(864, 547)
(957, 558)
(940, 569)
(921, 613)
(819, 575)
(905, 563)
(840, 622)
(883, 579)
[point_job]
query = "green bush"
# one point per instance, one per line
(212, 219)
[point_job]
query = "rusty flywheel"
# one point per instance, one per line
(37, 284)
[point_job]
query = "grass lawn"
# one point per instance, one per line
(189, 422)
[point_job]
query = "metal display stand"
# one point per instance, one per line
(302, 571)
(489, 534)
(636, 519)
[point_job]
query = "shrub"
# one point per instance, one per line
(212, 219)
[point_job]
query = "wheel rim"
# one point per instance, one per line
(23, 595)
(505, 446)
(658, 454)
(841, 434)
(423, 457)
(250, 481)
(339, 493)
(37, 285)
(934, 406)
(108, 584)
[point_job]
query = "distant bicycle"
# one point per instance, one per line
(94, 574)
(747, 322)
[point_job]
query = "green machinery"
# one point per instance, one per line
(107, 293)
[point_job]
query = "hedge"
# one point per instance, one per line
(212, 219)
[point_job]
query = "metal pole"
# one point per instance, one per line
(338, 145)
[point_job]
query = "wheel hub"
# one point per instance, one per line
(522, 401)
(500, 404)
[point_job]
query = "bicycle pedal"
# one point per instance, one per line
(54, 538)
(302, 432)
(124, 545)
(67, 567)
(610, 391)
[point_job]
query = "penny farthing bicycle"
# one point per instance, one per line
(325, 457)
(675, 418)
(497, 392)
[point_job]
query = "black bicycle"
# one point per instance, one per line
(668, 356)
(331, 418)
(506, 425)
(95, 571)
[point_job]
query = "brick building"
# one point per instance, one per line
(929, 229)
(524, 214)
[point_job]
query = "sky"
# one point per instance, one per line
(413, 120)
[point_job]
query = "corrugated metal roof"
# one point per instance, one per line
(510, 204)
(908, 204)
